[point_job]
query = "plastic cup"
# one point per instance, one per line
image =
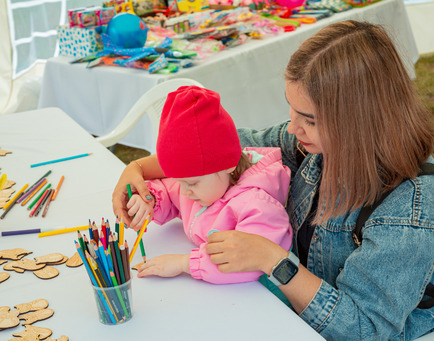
(114, 303)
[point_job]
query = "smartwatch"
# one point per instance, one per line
(285, 270)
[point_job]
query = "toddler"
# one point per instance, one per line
(211, 185)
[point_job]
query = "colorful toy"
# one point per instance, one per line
(290, 3)
(127, 30)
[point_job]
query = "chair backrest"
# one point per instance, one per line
(152, 103)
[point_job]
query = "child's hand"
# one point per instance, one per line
(165, 266)
(136, 206)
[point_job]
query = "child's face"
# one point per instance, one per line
(205, 189)
(303, 123)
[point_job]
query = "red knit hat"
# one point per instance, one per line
(197, 136)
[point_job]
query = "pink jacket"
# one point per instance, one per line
(255, 205)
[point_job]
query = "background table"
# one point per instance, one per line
(249, 78)
(179, 308)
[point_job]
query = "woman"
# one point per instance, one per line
(357, 131)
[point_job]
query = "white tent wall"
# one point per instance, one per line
(421, 17)
(22, 93)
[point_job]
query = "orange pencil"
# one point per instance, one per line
(34, 192)
(57, 188)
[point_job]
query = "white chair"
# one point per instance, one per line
(152, 103)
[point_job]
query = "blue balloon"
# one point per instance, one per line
(127, 30)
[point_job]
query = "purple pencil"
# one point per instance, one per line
(18, 232)
(30, 191)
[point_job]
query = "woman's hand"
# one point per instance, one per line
(140, 210)
(165, 266)
(235, 251)
(134, 175)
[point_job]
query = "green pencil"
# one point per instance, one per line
(119, 260)
(39, 196)
(118, 293)
(142, 247)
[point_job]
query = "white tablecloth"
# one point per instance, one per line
(179, 308)
(249, 78)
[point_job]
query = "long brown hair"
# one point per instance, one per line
(373, 127)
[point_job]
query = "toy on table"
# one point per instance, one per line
(127, 30)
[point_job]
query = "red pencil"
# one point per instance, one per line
(38, 203)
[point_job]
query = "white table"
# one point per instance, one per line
(179, 308)
(248, 77)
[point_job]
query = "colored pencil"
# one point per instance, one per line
(58, 187)
(50, 198)
(95, 232)
(38, 181)
(142, 247)
(118, 293)
(103, 260)
(59, 231)
(119, 259)
(117, 226)
(38, 197)
(127, 254)
(114, 260)
(124, 261)
(10, 207)
(59, 160)
(93, 280)
(38, 204)
(121, 231)
(44, 200)
(19, 232)
(139, 237)
(33, 192)
(12, 201)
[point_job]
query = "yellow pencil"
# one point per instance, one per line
(121, 231)
(10, 202)
(59, 231)
(139, 238)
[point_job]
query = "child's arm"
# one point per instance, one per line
(261, 215)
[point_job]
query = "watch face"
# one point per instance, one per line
(285, 271)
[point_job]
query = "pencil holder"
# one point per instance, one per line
(114, 303)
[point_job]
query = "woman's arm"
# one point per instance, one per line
(135, 174)
(235, 251)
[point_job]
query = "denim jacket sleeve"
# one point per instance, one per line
(375, 294)
(275, 136)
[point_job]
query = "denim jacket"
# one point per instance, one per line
(370, 292)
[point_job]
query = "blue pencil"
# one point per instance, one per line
(92, 278)
(60, 160)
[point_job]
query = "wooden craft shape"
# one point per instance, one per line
(4, 276)
(47, 272)
(2, 203)
(6, 193)
(64, 260)
(137, 266)
(32, 306)
(8, 318)
(62, 338)
(74, 261)
(50, 258)
(4, 152)
(34, 333)
(10, 267)
(14, 254)
(3, 261)
(28, 264)
(8, 184)
(35, 316)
